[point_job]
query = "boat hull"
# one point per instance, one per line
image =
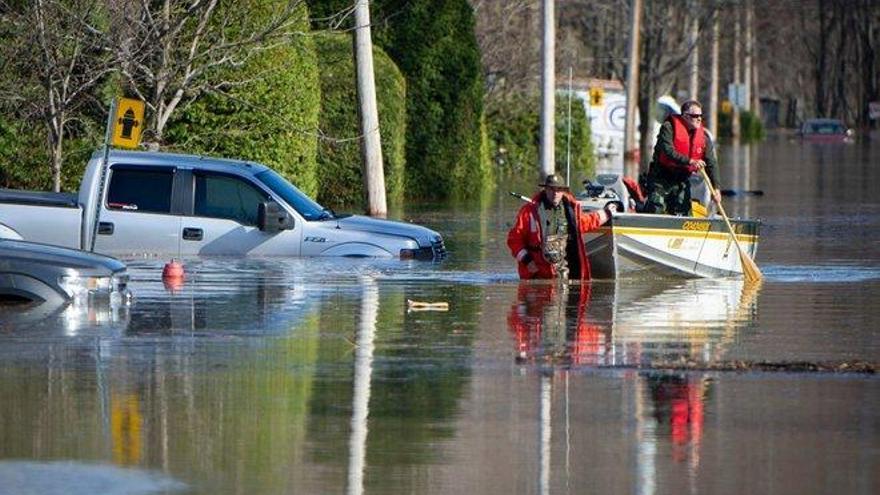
(633, 245)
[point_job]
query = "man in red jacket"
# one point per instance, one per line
(547, 237)
(683, 148)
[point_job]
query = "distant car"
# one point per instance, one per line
(825, 130)
(33, 272)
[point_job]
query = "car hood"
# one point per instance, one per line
(423, 235)
(32, 252)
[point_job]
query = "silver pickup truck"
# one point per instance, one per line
(170, 204)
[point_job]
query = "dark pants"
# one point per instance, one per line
(668, 196)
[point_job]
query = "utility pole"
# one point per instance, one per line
(548, 89)
(371, 146)
(694, 38)
(632, 91)
(756, 96)
(747, 62)
(737, 77)
(713, 82)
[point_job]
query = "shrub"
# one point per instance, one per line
(434, 45)
(24, 157)
(750, 126)
(340, 173)
(269, 113)
(515, 136)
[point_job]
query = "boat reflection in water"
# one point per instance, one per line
(647, 330)
(630, 323)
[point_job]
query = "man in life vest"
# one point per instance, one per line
(683, 148)
(546, 238)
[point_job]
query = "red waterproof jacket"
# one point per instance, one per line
(690, 146)
(526, 236)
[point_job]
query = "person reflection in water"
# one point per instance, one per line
(550, 323)
(678, 404)
(546, 238)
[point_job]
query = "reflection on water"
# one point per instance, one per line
(310, 376)
(71, 478)
(635, 323)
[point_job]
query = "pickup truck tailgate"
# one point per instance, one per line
(51, 218)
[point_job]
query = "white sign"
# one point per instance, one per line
(736, 93)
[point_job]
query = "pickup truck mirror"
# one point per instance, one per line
(273, 218)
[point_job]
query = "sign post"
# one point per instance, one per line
(125, 119)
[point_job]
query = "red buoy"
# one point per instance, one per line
(173, 275)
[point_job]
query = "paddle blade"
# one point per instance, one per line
(751, 272)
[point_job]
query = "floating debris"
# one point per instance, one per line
(855, 366)
(426, 306)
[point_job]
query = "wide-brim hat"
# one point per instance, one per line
(554, 181)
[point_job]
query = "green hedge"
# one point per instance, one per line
(750, 126)
(272, 117)
(339, 151)
(515, 136)
(434, 45)
(24, 158)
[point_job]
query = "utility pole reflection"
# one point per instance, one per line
(363, 370)
(545, 432)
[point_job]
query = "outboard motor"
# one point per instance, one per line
(606, 188)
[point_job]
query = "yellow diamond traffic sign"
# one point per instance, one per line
(597, 96)
(127, 123)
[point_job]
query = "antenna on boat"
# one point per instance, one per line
(568, 138)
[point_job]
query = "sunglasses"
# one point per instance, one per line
(694, 115)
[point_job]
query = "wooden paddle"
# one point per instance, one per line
(751, 273)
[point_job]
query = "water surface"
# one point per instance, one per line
(311, 375)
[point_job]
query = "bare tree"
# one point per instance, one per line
(173, 51)
(667, 44)
(508, 33)
(53, 60)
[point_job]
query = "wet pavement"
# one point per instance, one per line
(312, 376)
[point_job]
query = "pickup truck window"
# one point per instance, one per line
(221, 196)
(145, 190)
(306, 206)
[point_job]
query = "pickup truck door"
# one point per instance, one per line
(138, 215)
(223, 219)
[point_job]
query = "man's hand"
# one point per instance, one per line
(610, 209)
(530, 263)
(716, 195)
(695, 165)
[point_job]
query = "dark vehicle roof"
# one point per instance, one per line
(19, 252)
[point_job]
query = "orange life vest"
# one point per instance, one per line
(693, 147)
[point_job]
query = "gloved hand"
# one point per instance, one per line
(611, 208)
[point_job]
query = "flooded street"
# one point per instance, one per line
(311, 375)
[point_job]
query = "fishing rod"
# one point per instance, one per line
(520, 196)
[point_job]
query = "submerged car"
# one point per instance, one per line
(825, 130)
(34, 272)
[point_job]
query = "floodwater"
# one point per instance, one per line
(311, 376)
